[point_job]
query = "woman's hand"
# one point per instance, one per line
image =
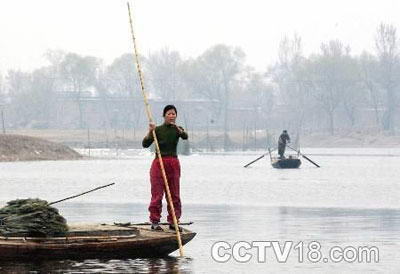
(179, 129)
(152, 127)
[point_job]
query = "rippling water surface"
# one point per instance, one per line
(352, 200)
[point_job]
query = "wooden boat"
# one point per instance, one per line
(291, 162)
(96, 241)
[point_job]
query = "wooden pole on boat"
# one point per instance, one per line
(71, 197)
(151, 121)
(304, 156)
(58, 201)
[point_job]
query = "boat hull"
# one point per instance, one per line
(286, 163)
(134, 242)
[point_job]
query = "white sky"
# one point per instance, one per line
(100, 27)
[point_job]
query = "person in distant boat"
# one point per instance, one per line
(168, 135)
(283, 139)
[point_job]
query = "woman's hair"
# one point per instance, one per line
(168, 107)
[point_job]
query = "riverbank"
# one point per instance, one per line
(352, 139)
(15, 147)
(214, 140)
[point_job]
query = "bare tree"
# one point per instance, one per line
(18, 89)
(352, 96)
(261, 99)
(368, 74)
(387, 48)
(2, 88)
(289, 75)
(221, 66)
(43, 96)
(331, 77)
(121, 82)
(2, 103)
(79, 73)
(164, 69)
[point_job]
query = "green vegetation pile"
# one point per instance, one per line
(31, 218)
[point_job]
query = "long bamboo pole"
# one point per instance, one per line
(151, 121)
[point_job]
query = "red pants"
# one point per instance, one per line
(173, 172)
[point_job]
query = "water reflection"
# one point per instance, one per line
(152, 266)
(329, 226)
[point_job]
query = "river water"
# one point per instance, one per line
(352, 201)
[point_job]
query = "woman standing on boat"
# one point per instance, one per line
(168, 135)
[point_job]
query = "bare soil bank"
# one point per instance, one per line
(25, 148)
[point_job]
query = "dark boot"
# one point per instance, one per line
(156, 226)
(172, 227)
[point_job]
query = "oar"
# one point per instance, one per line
(304, 156)
(269, 150)
(255, 160)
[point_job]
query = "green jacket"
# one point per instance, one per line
(168, 137)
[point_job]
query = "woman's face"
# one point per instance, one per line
(170, 116)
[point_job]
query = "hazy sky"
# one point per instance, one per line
(100, 27)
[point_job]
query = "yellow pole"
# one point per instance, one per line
(149, 116)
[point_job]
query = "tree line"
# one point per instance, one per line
(326, 92)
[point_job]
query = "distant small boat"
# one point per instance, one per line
(96, 241)
(290, 162)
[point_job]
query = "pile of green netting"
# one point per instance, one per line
(31, 218)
